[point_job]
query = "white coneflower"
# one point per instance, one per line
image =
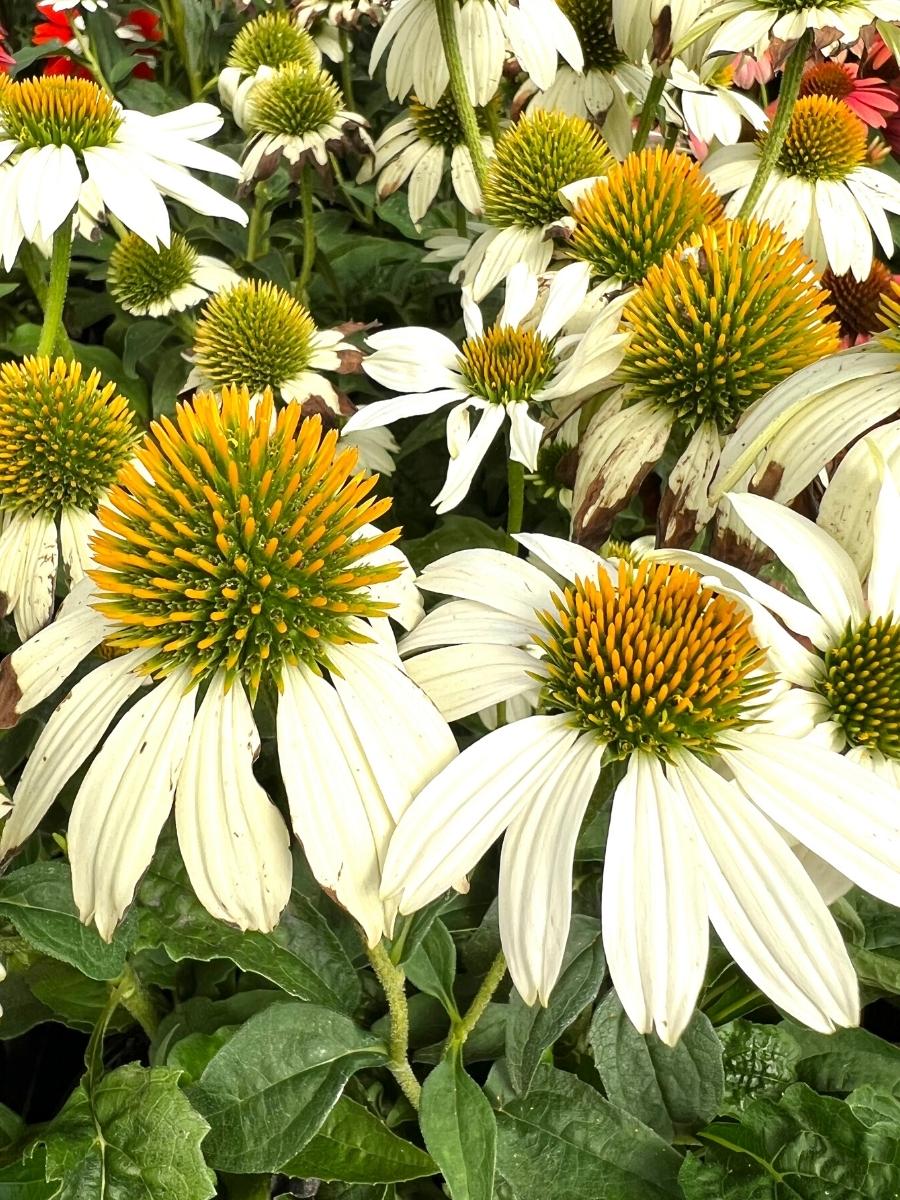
(752, 24)
(499, 372)
(236, 556)
(718, 322)
(153, 282)
(416, 148)
(64, 436)
(708, 106)
(535, 30)
(297, 114)
(327, 20)
(522, 205)
(645, 665)
(257, 335)
(820, 191)
(63, 138)
(269, 41)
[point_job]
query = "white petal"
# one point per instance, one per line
(883, 586)
(459, 622)
(568, 289)
(525, 436)
(384, 412)
(567, 559)
(655, 928)
(233, 841)
(464, 809)
(76, 527)
(124, 800)
(463, 679)
(128, 193)
(764, 906)
(508, 584)
(521, 295)
(461, 470)
(29, 558)
(535, 888)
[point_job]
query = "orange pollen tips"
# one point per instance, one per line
(239, 544)
(825, 140)
(652, 661)
(505, 364)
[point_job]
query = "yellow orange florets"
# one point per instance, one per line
(239, 545)
(53, 110)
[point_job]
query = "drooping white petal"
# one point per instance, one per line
(128, 193)
(459, 622)
(124, 800)
(567, 559)
(520, 297)
(456, 817)
(655, 928)
(823, 569)
(525, 435)
(463, 679)
(28, 561)
(76, 527)
(847, 814)
(71, 734)
(384, 412)
(461, 469)
(510, 585)
(568, 289)
(883, 585)
(764, 906)
(535, 888)
(233, 840)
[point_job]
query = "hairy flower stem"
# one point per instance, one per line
(476, 1009)
(393, 983)
(60, 259)
(465, 110)
(771, 147)
(173, 16)
(648, 112)
(309, 233)
(30, 262)
(137, 1001)
(258, 225)
(515, 477)
(346, 69)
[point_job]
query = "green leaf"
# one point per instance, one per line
(452, 534)
(134, 1137)
(355, 1146)
(37, 899)
(26, 1180)
(530, 1029)
(142, 340)
(714, 1180)
(813, 1147)
(673, 1089)
(564, 1140)
(302, 956)
(111, 367)
(269, 1089)
(760, 1061)
(432, 966)
(842, 1061)
(460, 1131)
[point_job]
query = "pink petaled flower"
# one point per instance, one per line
(857, 302)
(749, 72)
(873, 100)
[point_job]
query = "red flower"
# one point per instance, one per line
(55, 26)
(873, 100)
(65, 66)
(146, 23)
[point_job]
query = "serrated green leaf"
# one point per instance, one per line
(269, 1089)
(842, 1061)
(355, 1146)
(37, 899)
(673, 1089)
(760, 1061)
(134, 1137)
(714, 1180)
(564, 1140)
(302, 956)
(530, 1029)
(432, 966)
(460, 1131)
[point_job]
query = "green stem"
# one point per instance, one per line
(771, 146)
(137, 1001)
(258, 225)
(173, 20)
(465, 110)
(60, 259)
(648, 112)
(515, 476)
(346, 69)
(393, 982)
(462, 225)
(309, 233)
(91, 59)
(483, 996)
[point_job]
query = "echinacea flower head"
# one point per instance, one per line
(532, 161)
(657, 667)
(153, 282)
(53, 129)
(708, 107)
(785, 439)
(821, 190)
(297, 113)
(871, 98)
(256, 335)
(857, 302)
(64, 436)
(264, 44)
(501, 372)
(752, 24)
(237, 555)
(712, 328)
(416, 148)
(644, 207)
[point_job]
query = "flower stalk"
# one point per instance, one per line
(465, 109)
(648, 112)
(60, 260)
(787, 98)
(477, 1008)
(393, 982)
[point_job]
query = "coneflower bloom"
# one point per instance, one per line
(64, 435)
(649, 666)
(715, 325)
(873, 100)
(236, 557)
(269, 41)
(752, 24)
(857, 302)
(153, 282)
